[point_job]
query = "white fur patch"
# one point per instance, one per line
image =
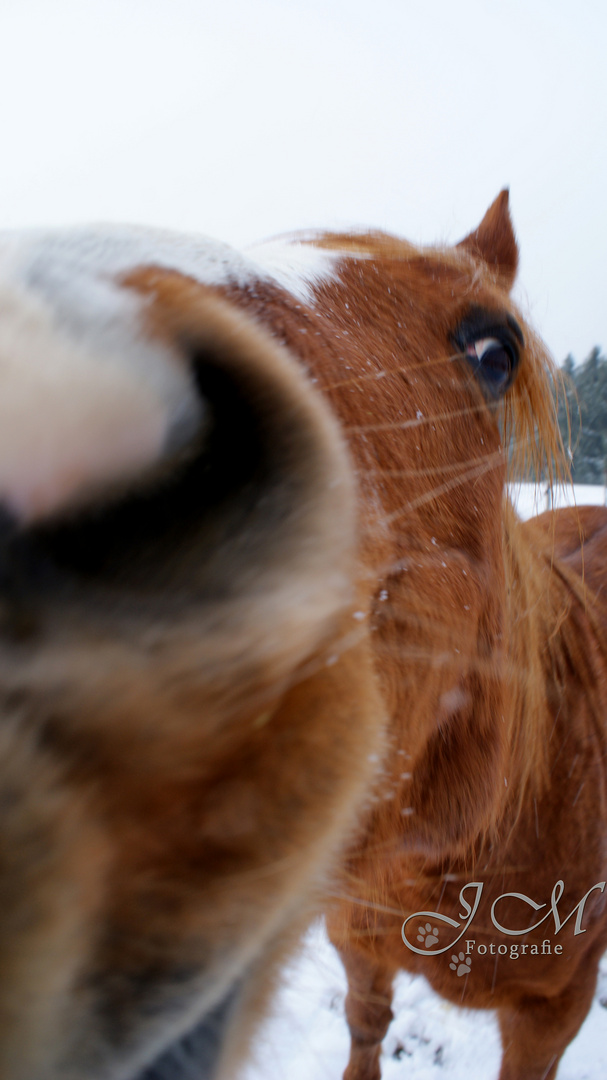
(76, 418)
(296, 266)
(63, 263)
(86, 398)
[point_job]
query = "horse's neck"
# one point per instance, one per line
(557, 651)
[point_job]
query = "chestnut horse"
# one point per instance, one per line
(271, 633)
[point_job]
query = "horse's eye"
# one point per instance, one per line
(495, 361)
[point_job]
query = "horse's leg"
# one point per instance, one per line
(537, 1030)
(368, 1011)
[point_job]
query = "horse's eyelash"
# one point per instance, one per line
(483, 323)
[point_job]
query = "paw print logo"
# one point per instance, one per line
(428, 935)
(461, 964)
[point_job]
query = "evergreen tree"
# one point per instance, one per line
(568, 409)
(585, 403)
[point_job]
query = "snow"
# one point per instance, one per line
(306, 1038)
(532, 499)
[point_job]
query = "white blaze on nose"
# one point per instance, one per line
(75, 419)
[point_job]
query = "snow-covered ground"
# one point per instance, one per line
(429, 1039)
(532, 499)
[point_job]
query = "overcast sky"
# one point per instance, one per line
(246, 118)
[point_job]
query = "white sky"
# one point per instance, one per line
(245, 118)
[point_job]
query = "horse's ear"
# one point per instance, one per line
(494, 240)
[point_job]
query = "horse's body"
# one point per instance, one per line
(206, 650)
(541, 984)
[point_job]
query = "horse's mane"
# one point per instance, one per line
(535, 614)
(554, 628)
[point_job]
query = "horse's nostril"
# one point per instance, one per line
(8, 525)
(195, 1056)
(17, 621)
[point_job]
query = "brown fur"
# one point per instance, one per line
(490, 649)
(192, 719)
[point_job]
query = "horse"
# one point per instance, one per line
(487, 837)
(272, 639)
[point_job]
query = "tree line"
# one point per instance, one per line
(583, 417)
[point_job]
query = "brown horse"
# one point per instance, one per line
(484, 858)
(254, 540)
